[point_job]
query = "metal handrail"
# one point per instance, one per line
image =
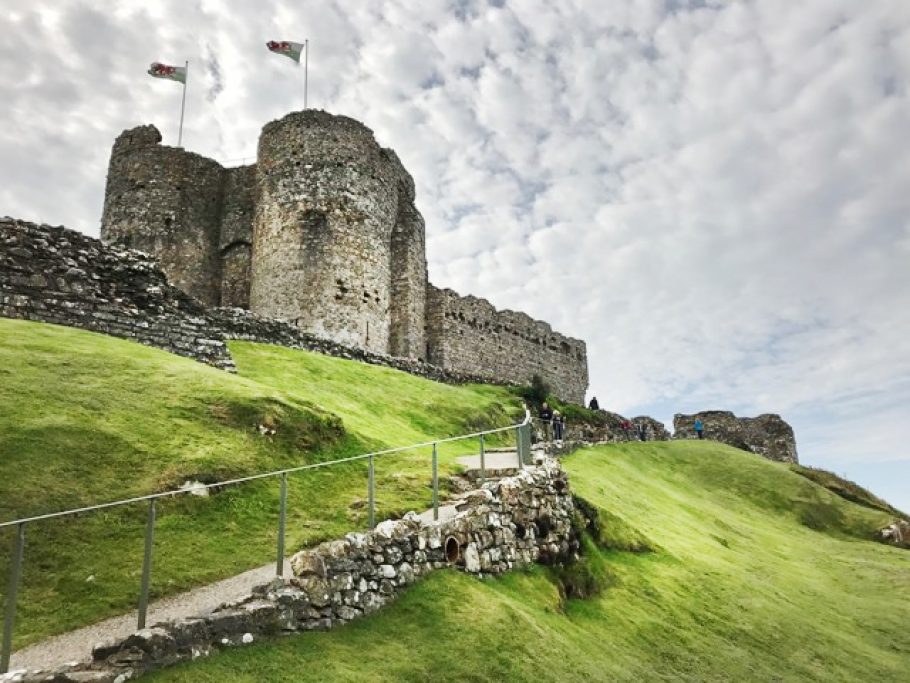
(522, 430)
(263, 475)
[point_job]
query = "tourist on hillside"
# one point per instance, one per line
(594, 405)
(642, 431)
(546, 417)
(699, 429)
(558, 425)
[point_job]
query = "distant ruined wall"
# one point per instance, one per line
(61, 276)
(166, 202)
(767, 435)
(468, 334)
(328, 201)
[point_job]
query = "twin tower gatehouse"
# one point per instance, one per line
(322, 231)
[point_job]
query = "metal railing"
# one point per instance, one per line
(523, 444)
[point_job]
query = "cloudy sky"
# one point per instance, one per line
(714, 195)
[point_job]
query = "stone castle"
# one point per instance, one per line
(322, 232)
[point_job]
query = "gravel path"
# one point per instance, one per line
(76, 646)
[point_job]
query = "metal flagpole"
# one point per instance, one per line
(186, 75)
(306, 68)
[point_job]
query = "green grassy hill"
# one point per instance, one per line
(707, 563)
(86, 418)
(753, 573)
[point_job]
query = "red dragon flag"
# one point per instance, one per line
(286, 48)
(174, 73)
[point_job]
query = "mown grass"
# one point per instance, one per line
(752, 573)
(86, 418)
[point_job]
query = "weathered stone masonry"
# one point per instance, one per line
(501, 526)
(322, 232)
(62, 276)
(468, 334)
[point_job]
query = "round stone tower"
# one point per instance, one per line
(322, 229)
(167, 202)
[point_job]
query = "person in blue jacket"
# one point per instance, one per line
(699, 429)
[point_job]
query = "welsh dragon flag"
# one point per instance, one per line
(286, 48)
(174, 73)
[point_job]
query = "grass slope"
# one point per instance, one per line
(86, 418)
(755, 573)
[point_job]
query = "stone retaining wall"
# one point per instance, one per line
(499, 527)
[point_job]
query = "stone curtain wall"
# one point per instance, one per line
(236, 238)
(234, 323)
(767, 435)
(166, 202)
(61, 276)
(468, 334)
(502, 526)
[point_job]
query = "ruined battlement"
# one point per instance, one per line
(322, 232)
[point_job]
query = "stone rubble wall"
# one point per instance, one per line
(767, 435)
(607, 427)
(61, 276)
(468, 334)
(502, 526)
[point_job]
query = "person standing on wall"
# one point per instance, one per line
(642, 431)
(546, 417)
(557, 425)
(594, 405)
(699, 429)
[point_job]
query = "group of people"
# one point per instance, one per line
(554, 423)
(641, 429)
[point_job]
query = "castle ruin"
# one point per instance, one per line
(322, 232)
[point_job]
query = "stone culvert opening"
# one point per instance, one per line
(544, 526)
(453, 550)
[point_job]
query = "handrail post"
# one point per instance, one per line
(371, 494)
(519, 447)
(435, 483)
(483, 462)
(147, 564)
(15, 573)
(282, 523)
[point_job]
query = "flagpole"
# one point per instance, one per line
(186, 76)
(306, 68)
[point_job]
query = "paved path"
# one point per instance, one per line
(494, 461)
(76, 646)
